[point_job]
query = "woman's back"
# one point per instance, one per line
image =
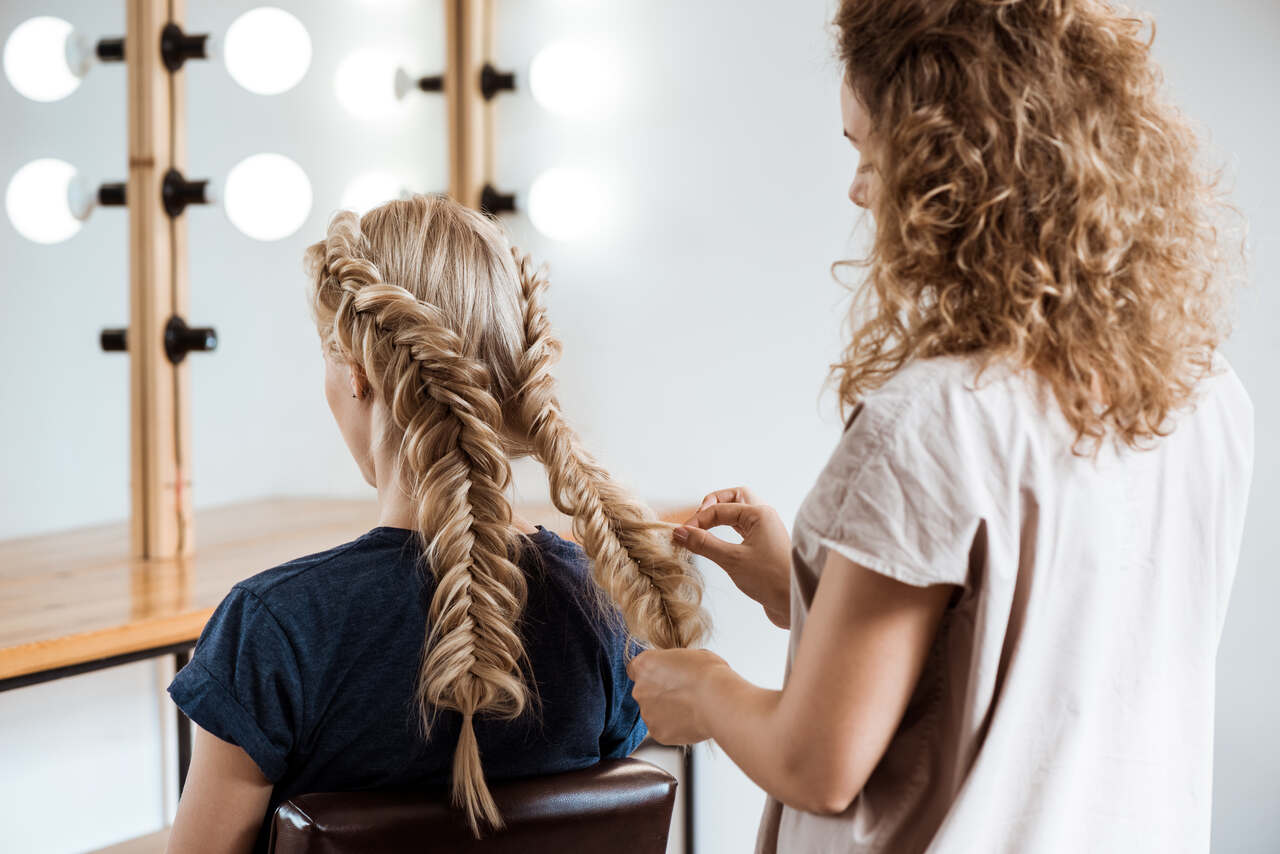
(1068, 701)
(312, 668)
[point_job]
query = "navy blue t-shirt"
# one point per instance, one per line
(311, 667)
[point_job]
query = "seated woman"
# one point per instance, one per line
(455, 640)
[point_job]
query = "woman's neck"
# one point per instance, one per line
(395, 507)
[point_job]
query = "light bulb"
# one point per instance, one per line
(367, 191)
(566, 204)
(38, 204)
(35, 59)
(366, 84)
(267, 50)
(82, 197)
(268, 196)
(575, 78)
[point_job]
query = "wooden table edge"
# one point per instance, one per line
(99, 645)
(86, 647)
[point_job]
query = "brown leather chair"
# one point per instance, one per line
(622, 806)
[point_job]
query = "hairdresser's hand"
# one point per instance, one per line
(672, 691)
(761, 564)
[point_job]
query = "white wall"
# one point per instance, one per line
(55, 473)
(697, 325)
(1222, 66)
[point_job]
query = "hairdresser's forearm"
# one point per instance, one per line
(745, 720)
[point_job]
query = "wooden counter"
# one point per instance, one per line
(76, 597)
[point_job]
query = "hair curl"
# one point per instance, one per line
(429, 301)
(1039, 203)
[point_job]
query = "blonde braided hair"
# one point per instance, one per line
(656, 587)
(430, 302)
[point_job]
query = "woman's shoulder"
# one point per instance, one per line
(346, 584)
(937, 424)
(948, 382)
(556, 566)
(561, 587)
(947, 399)
(282, 579)
(1224, 385)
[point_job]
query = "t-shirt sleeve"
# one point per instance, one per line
(243, 683)
(902, 491)
(624, 728)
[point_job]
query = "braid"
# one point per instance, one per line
(633, 560)
(439, 397)
(461, 358)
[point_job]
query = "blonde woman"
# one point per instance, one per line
(455, 640)
(1006, 588)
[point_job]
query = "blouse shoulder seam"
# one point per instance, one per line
(879, 436)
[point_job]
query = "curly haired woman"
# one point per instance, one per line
(1006, 588)
(454, 630)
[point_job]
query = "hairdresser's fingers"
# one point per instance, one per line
(742, 517)
(720, 496)
(707, 545)
(736, 495)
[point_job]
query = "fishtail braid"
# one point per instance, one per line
(440, 398)
(654, 585)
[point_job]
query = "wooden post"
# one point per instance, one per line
(469, 44)
(161, 523)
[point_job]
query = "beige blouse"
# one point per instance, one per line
(1067, 704)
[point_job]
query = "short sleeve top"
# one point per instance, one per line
(311, 667)
(1067, 702)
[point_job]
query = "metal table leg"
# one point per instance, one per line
(688, 799)
(180, 659)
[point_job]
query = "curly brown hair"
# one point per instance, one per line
(1039, 202)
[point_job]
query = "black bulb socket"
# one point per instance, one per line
(180, 339)
(110, 50)
(493, 81)
(493, 202)
(114, 340)
(176, 47)
(112, 195)
(177, 192)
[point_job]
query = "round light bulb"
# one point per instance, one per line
(575, 78)
(267, 50)
(566, 204)
(268, 196)
(82, 197)
(367, 191)
(37, 201)
(365, 84)
(35, 59)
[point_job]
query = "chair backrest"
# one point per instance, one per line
(622, 806)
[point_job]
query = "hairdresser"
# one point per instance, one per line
(1006, 587)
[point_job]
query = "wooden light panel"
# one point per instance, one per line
(469, 44)
(161, 521)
